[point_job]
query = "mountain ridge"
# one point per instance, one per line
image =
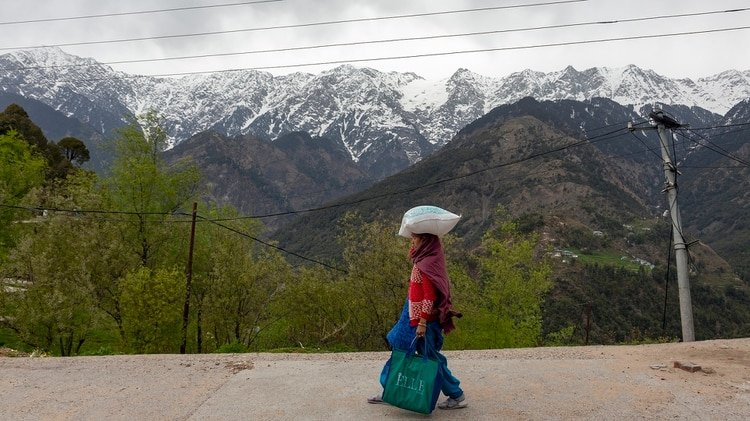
(376, 116)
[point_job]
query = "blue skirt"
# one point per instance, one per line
(401, 336)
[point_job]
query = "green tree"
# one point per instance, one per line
(98, 241)
(152, 309)
(144, 185)
(376, 284)
(315, 311)
(74, 150)
(352, 310)
(15, 118)
(52, 307)
(237, 283)
(20, 171)
(512, 282)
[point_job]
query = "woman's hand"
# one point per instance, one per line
(421, 330)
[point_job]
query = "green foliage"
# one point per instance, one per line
(51, 306)
(74, 150)
(20, 171)
(378, 274)
(15, 119)
(332, 310)
(316, 309)
(152, 309)
(609, 258)
(142, 183)
(83, 283)
(562, 337)
(237, 282)
(615, 305)
(512, 284)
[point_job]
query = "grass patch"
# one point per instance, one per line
(608, 258)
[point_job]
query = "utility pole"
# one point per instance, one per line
(663, 123)
(188, 282)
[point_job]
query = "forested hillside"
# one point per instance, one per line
(553, 249)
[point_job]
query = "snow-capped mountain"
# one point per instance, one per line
(386, 121)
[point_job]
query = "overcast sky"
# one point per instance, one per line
(690, 56)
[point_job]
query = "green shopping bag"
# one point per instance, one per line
(412, 381)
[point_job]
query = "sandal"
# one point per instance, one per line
(376, 399)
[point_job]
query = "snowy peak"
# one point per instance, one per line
(49, 57)
(378, 117)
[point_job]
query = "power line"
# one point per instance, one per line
(717, 127)
(303, 25)
(716, 146)
(598, 138)
(595, 139)
(647, 147)
(434, 183)
(733, 167)
(442, 53)
(380, 41)
(139, 12)
(89, 211)
(82, 211)
(215, 221)
(372, 182)
(719, 151)
(265, 243)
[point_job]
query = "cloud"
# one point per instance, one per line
(686, 56)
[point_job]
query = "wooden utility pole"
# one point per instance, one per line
(188, 281)
(663, 123)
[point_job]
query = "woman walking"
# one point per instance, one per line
(427, 314)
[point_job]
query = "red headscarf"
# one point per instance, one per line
(429, 258)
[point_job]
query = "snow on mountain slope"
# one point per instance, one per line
(376, 116)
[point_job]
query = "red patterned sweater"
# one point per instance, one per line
(422, 296)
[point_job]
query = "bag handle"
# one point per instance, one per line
(413, 347)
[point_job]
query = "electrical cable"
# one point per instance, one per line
(434, 183)
(139, 12)
(598, 138)
(302, 25)
(595, 139)
(353, 43)
(373, 182)
(666, 281)
(99, 211)
(717, 127)
(659, 157)
(265, 243)
(710, 142)
(424, 55)
(722, 134)
(735, 167)
(718, 151)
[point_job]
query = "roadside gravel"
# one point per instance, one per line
(595, 382)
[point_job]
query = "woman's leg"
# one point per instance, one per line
(450, 384)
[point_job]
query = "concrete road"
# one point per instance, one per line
(599, 382)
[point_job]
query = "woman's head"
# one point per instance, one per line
(417, 239)
(422, 244)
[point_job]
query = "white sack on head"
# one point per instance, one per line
(427, 220)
